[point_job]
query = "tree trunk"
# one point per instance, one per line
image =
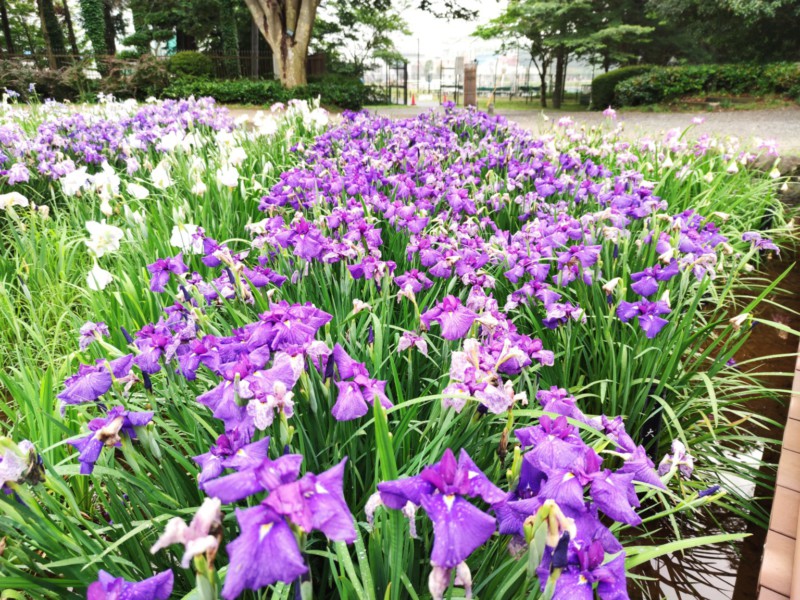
(73, 42)
(6, 27)
(288, 39)
(110, 29)
(292, 65)
(543, 83)
(559, 77)
(606, 62)
(255, 39)
(51, 31)
(184, 41)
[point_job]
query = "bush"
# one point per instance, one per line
(663, 84)
(139, 79)
(190, 64)
(67, 83)
(603, 86)
(347, 94)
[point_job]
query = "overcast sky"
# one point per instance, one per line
(443, 39)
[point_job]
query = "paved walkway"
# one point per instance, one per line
(780, 567)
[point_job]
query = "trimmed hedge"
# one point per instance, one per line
(190, 64)
(347, 94)
(663, 84)
(603, 86)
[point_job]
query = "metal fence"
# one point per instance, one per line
(389, 83)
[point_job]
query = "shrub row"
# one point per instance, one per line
(349, 93)
(140, 78)
(603, 86)
(151, 76)
(662, 84)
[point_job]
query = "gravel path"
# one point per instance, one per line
(782, 125)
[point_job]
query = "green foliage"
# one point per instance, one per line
(95, 26)
(345, 93)
(190, 63)
(603, 86)
(553, 31)
(728, 30)
(664, 84)
(354, 33)
(230, 38)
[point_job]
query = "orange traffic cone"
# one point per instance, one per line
(413, 100)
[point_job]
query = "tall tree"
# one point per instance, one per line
(355, 33)
(53, 36)
(73, 41)
(731, 30)
(94, 24)
(6, 24)
(109, 27)
(287, 26)
(516, 29)
(230, 38)
(554, 30)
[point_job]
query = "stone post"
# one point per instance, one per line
(471, 84)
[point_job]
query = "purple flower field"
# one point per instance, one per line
(427, 358)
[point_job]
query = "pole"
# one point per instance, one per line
(405, 83)
(418, 70)
(255, 39)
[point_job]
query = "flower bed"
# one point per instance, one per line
(383, 358)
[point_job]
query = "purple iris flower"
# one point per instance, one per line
(264, 536)
(18, 173)
(413, 280)
(285, 325)
(371, 268)
(585, 569)
(454, 318)
(355, 397)
(230, 452)
(254, 476)
(92, 381)
(559, 401)
(312, 502)
(410, 339)
(758, 241)
(91, 332)
(679, 459)
(162, 269)
(107, 431)
(441, 489)
(641, 467)
(356, 390)
(648, 314)
(614, 494)
(108, 587)
(645, 283)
